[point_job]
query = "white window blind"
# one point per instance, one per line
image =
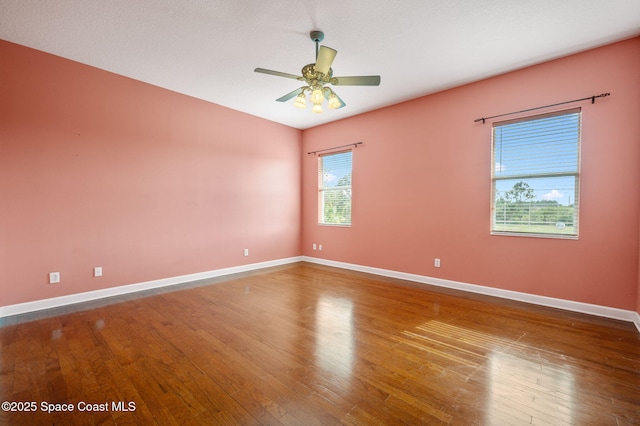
(334, 183)
(535, 175)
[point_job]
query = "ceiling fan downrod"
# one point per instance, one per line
(317, 37)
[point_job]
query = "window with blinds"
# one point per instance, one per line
(334, 183)
(535, 175)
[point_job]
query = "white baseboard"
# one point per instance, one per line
(586, 308)
(37, 305)
(602, 311)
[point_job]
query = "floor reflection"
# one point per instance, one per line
(334, 335)
(529, 391)
(523, 386)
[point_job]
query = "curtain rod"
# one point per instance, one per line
(593, 100)
(335, 147)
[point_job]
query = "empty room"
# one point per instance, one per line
(320, 213)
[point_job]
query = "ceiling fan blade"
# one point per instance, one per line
(277, 73)
(363, 80)
(325, 58)
(290, 95)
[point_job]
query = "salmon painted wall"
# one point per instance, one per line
(421, 184)
(100, 170)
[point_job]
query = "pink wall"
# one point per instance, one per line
(100, 170)
(421, 184)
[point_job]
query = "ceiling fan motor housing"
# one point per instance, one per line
(309, 73)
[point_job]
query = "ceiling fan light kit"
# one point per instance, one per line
(317, 76)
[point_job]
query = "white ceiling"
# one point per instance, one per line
(209, 48)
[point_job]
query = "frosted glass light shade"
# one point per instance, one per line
(316, 96)
(333, 101)
(300, 101)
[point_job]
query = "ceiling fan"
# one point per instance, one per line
(317, 76)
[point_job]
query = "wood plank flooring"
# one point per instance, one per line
(305, 344)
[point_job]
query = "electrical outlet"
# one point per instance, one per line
(54, 277)
(314, 246)
(246, 252)
(97, 271)
(436, 262)
(320, 247)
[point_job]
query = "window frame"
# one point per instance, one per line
(529, 176)
(322, 190)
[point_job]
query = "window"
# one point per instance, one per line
(334, 182)
(535, 175)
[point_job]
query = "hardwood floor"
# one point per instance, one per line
(305, 344)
